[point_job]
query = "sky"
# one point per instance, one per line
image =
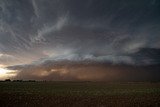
(99, 40)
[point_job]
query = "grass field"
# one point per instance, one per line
(79, 94)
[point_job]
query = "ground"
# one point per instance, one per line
(79, 94)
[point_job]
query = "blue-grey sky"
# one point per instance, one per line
(46, 34)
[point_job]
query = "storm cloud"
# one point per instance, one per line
(119, 33)
(86, 70)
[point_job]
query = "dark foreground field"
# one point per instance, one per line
(79, 94)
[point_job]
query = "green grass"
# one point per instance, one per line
(79, 94)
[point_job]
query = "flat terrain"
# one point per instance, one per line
(79, 94)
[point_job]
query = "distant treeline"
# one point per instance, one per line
(9, 80)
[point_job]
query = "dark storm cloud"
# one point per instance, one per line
(112, 31)
(88, 70)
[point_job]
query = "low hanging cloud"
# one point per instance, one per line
(71, 71)
(86, 68)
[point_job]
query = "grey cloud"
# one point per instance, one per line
(35, 7)
(6, 59)
(40, 37)
(110, 30)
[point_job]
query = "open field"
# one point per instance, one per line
(79, 94)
